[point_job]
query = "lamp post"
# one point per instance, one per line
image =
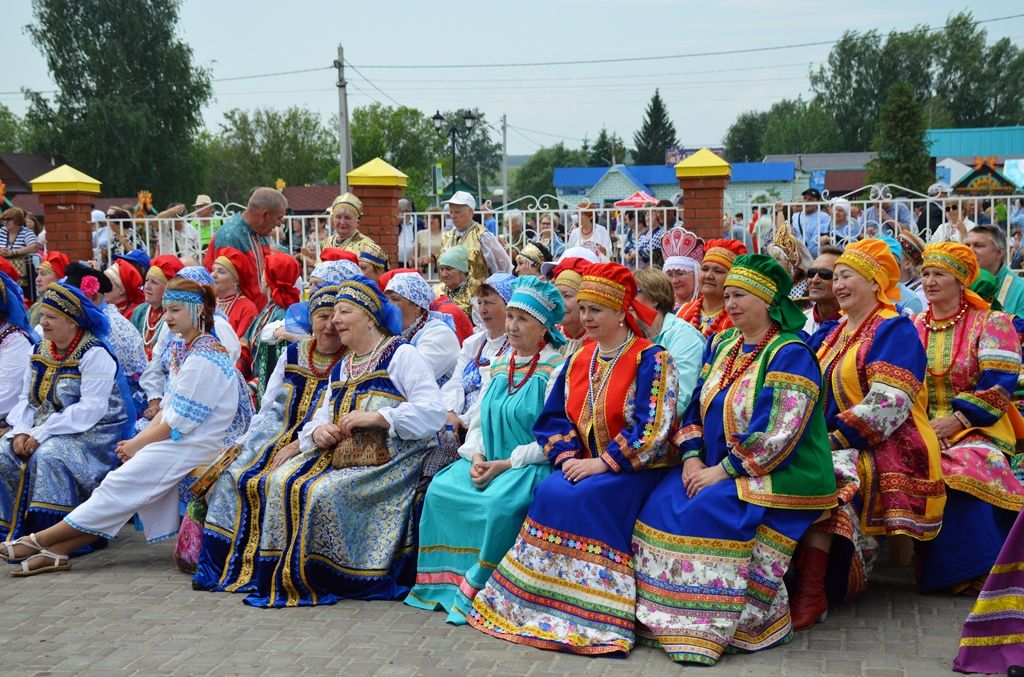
(468, 120)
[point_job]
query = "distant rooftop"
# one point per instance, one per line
(809, 162)
(979, 141)
(659, 175)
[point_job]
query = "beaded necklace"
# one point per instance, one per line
(851, 340)
(71, 347)
(615, 354)
(514, 387)
(311, 357)
(730, 374)
(481, 361)
(954, 321)
(708, 325)
(415, 327)
(150, 330)
(358, 366)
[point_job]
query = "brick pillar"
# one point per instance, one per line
(703, 177)
(379, 186)
(67, 196)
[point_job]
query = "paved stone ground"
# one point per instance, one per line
(127, 610)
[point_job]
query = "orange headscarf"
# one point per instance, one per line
(959, 261)
(874, 261)
(723, 252)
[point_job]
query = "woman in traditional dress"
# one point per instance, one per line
(127, 274)
(70, 415)
(346, 210)
(567, 277)
(148, 317)
(189, 430)
(714, 540)
(259, 355)
(973, 365)
(50, 270)
(296, 389)
(885, 454)
(453, 269)
(683, 251)
(530, 258)
(567, 583)
(425, 329)
(474, 508)
(461, 392)
(707, 311)
(231, 271)
(373, 261)
(331, 533)
(16, 341)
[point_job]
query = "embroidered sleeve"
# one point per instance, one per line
(895, 367)
(205, 378)
(998, 371)
(645, 440)
(553, 430)
(782, 410)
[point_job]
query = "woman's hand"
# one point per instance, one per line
(454, 421)
(286, 452)
(152, 409)
(946, 427)
(691, 467)
(127, 449)
(327, 436)
(361, 419)
(23, 445)
(705, 478)
(578, 469)
(484, 473)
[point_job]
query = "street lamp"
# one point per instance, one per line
(468, 120)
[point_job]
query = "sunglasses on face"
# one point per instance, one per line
(824, 273)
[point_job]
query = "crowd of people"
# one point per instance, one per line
(703, 453)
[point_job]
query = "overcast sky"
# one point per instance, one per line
(544, 103)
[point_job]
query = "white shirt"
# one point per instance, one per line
(98, 371)
(15, 353)
(439, 346)
(154, 377)
(948, 232)
(525, 454)
(452, 392)
(419, 417)
(180, 242)
(598, 236)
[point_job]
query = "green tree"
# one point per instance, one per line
(607, 150)
(257, 148)
(537, 176)
(11, 131)
(903, 156)
(129, 103)
(797, 126)
(474, 150)
(404, 138)
(656, 135)
(745, 138)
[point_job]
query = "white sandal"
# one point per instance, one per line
(8, 547)
(60, 563)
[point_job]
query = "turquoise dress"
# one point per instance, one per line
(465, 531)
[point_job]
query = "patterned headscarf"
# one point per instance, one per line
(192, 301)
(197, 274)
(765, 278)
(502, 284)
(335, 272)
(363, 293)
(375, 256)
(325, 296)
(12, 305)
(413, 287)
(541, 301)
(873, 261)
(959, 261)
(723, 252)
(70, 302)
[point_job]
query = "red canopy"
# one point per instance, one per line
(637, 200)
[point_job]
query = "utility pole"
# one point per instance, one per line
(504, 162)
(345, 148)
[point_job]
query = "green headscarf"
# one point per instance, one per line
(762, 276)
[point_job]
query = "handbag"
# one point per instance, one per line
(190, 536)
(365, 447)
(209, 477)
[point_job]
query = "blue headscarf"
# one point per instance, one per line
(364, 293)
(197, 274)
(501, 283)
(335, 272)
(325, 296)
(541, 301)
(70, 302)
(12, 305)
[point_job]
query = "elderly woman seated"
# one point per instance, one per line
(70, 415)
(337, 518)
(425, 329)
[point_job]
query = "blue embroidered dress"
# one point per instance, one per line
(465, 531)
(567, 583)
(334, 533)
(231, 537)
(74, 408)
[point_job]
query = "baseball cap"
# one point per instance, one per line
(462, 198)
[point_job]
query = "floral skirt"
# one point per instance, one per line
(709, 571)
(568, 583)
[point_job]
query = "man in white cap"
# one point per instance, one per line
(486, 255)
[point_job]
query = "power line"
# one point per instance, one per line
(637, 59)
(619, 87)
(557, 136)
(371, 83)
(272, 75)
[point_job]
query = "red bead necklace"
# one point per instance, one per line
(514, 387)
(748, 358)
(320, 373)
(71, 347)
(693, 316)
(954, 321)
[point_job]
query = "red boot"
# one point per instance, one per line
(809, 603)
